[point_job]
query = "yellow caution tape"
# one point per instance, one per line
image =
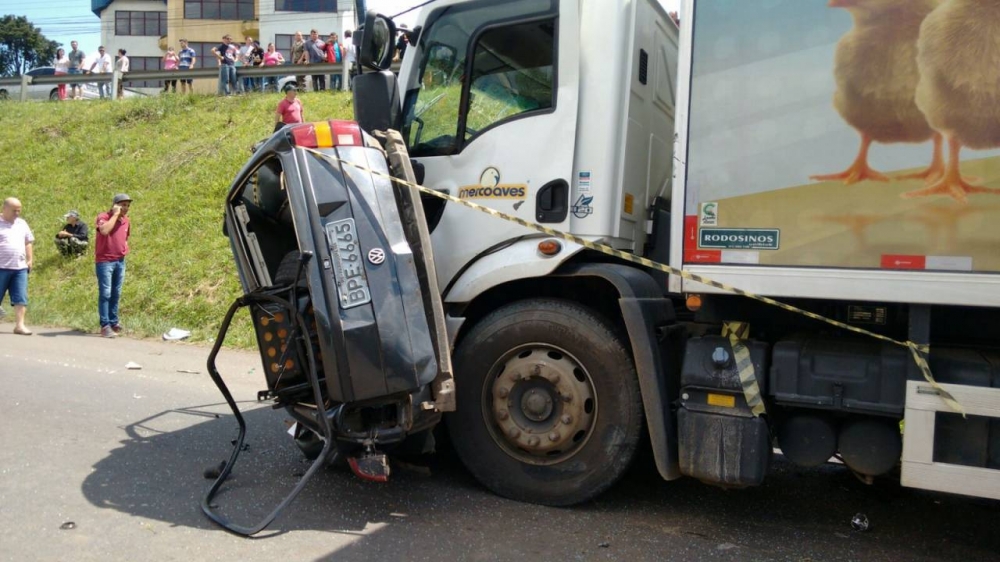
(738, 332)
(916, 350)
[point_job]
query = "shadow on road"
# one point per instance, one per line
(65, 333)
(436, 508)
(158, 473)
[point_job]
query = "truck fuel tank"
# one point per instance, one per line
(720, 441)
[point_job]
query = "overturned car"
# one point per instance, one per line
(337, 273)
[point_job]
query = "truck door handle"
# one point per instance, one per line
(552, 202)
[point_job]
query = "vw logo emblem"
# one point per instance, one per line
(376, 256)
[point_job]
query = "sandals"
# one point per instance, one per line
(24, 332)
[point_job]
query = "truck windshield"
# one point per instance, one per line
(512, 71)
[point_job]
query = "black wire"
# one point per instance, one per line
(408, 10)
(326, 426)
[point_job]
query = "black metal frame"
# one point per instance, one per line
(327, 431)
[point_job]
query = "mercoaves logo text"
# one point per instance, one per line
(502, 191)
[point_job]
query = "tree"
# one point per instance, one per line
(22, 46)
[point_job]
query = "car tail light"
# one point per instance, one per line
(326, 134)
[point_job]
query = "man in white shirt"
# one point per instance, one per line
(16, 257)
(102, 64)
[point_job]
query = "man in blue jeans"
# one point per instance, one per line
(227, 53)
(16, 247)
(113, 229)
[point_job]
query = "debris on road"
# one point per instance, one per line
(189, 371)
(860, 522)
(174, 334)
(67, 526)
(132, 365)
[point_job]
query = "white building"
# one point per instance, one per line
(136, 26)
(280, 19)
(145, 28)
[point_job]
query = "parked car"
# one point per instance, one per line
(287, 80)
(51, 91)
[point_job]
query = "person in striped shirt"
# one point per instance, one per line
(16, 256)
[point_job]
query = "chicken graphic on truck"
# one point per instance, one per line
(774, 111)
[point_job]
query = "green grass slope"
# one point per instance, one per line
(175, 156)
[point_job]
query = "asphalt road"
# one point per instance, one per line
(99, 462)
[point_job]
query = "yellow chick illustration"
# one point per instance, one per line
(959, 88)
(876, 72)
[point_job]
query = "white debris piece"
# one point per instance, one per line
(176, 334)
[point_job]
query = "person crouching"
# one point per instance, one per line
(72, 239)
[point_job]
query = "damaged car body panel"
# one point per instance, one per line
(335, 267)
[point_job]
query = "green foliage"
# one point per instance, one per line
(22, 46)
(176, 157)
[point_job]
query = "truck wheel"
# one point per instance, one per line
(549, 409)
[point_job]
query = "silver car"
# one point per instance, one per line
(51, 91)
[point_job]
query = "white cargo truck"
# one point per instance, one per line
(563, 113)
(832, 157)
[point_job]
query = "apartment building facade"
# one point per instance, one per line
(146, 28)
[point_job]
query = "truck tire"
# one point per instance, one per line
(549, 408)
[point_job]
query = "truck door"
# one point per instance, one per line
(490, 111)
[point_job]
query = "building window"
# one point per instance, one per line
(305, 5)
(140, 23)
(283, 44)
(203, 54)
(138, 64)
(219, 9)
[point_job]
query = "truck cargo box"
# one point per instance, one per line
(806, 169)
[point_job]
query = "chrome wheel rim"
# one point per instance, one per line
(539, 404)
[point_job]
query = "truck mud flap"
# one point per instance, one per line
(650, 321)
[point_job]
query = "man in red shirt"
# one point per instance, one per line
(113, 229)
(289, 109)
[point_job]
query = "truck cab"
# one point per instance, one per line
(559, 113)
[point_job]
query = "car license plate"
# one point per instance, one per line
(349, 268)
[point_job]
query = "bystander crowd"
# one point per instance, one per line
(102, 65)
(316, 50)
(299, 57)
(122, 67)
(111, 247)
(188, 59)
(16, 257)
(76, 58)
(72, 240)
(61, 64)
(289, 110)
(272, 58)
(227, 54)
(170, 62)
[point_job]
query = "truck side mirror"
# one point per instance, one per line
(377, 41)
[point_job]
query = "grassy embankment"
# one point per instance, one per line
(175, 156)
